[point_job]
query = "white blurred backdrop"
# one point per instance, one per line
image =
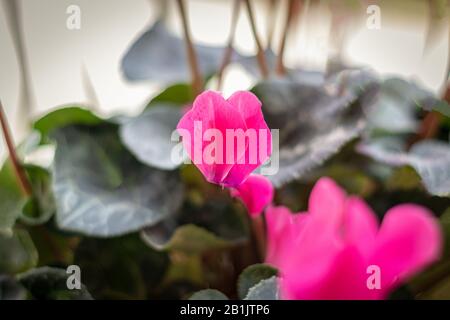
(60, 64)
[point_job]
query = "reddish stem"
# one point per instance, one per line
(197, 81)
(18, 169)
(260, 51)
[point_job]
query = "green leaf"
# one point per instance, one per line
(160, 56)
(41, 206)
(252, 275)
(51, 284)
(12, 198)
(102, 190)
(149, 137)
(198, 227)
(63, 117)
(17, 253)
(267, 289)
(430, 159)
(176, 95)
(208, 294)
(121, 267)
(11, 289)
(315, 120)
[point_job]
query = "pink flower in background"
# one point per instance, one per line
(226, 139)
(256, 193)
(330, 251)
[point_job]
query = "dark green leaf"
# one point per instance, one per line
(149, 137)
(267, 289)
(65, 116)
(158, 55)
(208, 294)
(430, 158)
(314, 120)
(41, 207)
(252, 275)
(12, 198)
(11, 289)
(17, 253)
(198, 228)
(101, 190)
(51, 284)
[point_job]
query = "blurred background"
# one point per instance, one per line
(45, 65)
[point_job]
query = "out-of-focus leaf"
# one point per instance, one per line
(149, 137)
(158, 55)
(445, 223)
(195, 229)
(252, 275)
(430, 158)
(101, 190)
(63, 117)
(404, 178)
(11, 289)
(315, 121)
(396, 105)
(17, 253)
(267, 289)
(121, 267)
(51, 284)
(208, 294)
(179, 94)
(41, 207)
(12, 198)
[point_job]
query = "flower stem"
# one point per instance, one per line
(271, 13)
(260, 51)
(197, 81)
(229, 49)
(280, 69)
(18, 169)
(258, 236)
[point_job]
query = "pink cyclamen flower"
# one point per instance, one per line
(256, 193)
(337, 250)
(226, 139)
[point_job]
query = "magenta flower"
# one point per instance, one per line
(256, 193)
(337, 250)
(226, 139)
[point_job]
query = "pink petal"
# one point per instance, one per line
(344, 279)
(256, 193)
(360, 225)
(249, 107)
(283, 228)
(409, 240)
(326, 203)
(212, 111)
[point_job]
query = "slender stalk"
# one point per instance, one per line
(260, 51)
(280, 68)
(271, 13)
(258, 236)
(229, 49)
(197, 81)
(18, 170)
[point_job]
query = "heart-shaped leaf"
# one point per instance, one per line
(64, 116)
(158, 55)
(149, 137)
(430, 158)
(267, 289)
(252, 275)
(314, 121)
(102, 190)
